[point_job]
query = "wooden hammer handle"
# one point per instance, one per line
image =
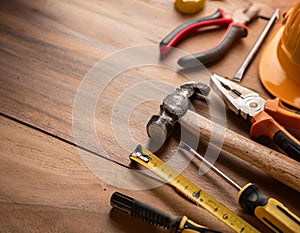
(279, 166)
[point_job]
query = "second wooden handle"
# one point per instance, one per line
(279, 166)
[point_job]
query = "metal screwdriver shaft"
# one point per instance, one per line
(268, 210)
(240, 73)
(207, 163)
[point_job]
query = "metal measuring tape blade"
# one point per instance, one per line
(190, 190)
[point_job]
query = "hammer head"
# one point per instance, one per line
(174, 106)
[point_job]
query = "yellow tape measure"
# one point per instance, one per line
(190, 190)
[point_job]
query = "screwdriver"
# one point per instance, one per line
(156, 217)
(268, 210)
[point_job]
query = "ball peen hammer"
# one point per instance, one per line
(175, 108)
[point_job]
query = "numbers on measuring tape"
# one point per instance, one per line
(190, 190)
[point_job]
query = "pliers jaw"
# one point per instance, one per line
(242, 101)
(246, 14)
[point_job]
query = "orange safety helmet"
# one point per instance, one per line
(279, 66)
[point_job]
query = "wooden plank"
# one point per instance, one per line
(58, 52)
(46, 51)
(45, 186)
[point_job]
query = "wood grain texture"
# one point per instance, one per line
(55, 44)
(279, 166)
(45, 186)
(46, 50)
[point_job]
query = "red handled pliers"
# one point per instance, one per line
(237, 28)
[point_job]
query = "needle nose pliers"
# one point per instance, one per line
(268, 116)
(236, 29)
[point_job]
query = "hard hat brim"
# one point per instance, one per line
(272, 75)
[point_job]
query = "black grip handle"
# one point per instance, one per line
(208, 57)
(251, 197)
(155, 216)
(287, 144)
(144, 212)
(166, 41)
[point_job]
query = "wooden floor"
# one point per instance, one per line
(65, 142)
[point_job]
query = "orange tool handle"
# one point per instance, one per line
(264, 124)
(283, 115)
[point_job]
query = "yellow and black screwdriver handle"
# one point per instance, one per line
(191, 191)
(270, 211)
